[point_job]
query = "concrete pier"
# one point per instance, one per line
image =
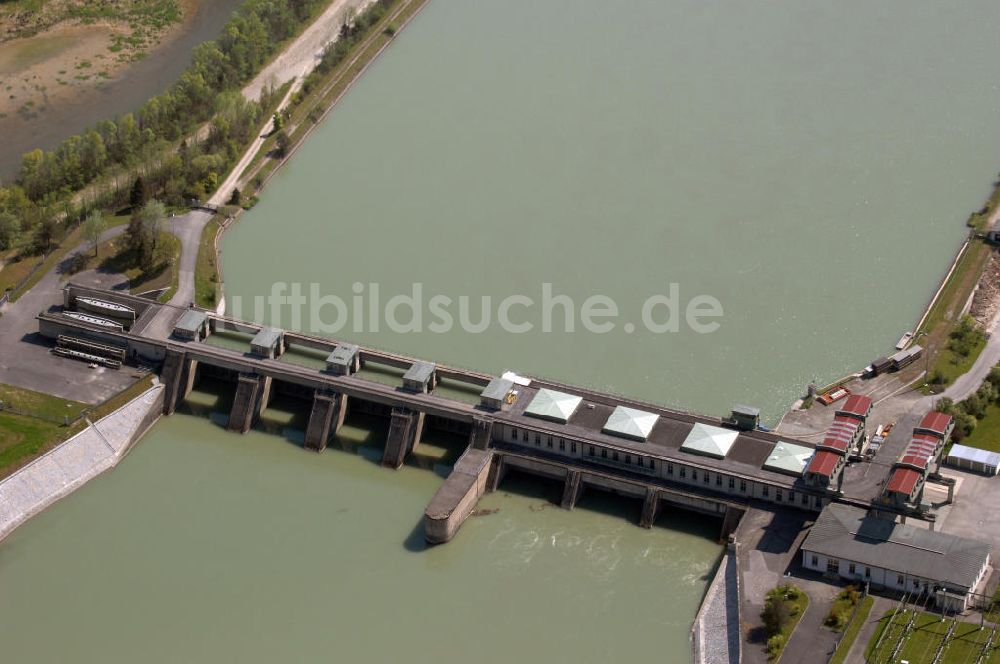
(252, 394)
(572, 489)
(405, 429)
(482, 433)
(457, 497)
(497, 471)
(650, 508)
(326, 418)
(178, 377)
(730, 520)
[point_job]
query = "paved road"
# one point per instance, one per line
(188, 227)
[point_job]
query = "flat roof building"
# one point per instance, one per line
(496, 394)
(974, 459)
(268, 342)
(747, 418)
(344, 360)
(192, 325)
(420, 377)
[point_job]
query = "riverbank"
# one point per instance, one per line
(99, 447)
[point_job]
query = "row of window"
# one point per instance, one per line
(647, 464)
(554, 442)
(765, 490)
(833, 567)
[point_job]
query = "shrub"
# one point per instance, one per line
(775, 644)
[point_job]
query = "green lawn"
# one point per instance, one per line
(41, 404)
(22, 438)
(986, 435)
(206, 273)
(921, 642)
(952, 365)
(851, 633)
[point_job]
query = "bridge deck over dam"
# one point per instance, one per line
(583, 438)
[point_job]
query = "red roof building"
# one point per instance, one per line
(936, 423)
(858, 406)
(920, 451)
(903, 482)
(824, 463)
(842, 434)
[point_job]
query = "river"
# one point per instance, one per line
(809, 165)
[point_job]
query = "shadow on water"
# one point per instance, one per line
(309, 358)
(285, 416)
(416, 542)
(211, 399)
(438, 451)
(362, 434)
(535, 487)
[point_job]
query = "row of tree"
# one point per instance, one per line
(142, 143)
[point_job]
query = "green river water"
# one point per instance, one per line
(808, 164)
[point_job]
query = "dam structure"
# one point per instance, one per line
(585, 439)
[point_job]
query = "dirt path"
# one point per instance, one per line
(302, 55)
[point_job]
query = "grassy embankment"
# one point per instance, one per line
(923, 639)
(24, 438)
(945, 364)
(308, 109)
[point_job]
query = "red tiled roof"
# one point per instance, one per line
(841, 433)
(823, 463)
(903, 480)
(935, 421)
(857, 404)
(919, 451)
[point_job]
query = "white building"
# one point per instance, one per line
(847, 542)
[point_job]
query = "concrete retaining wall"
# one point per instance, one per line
(73, 463)
(715, 634)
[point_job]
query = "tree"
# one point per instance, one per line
(279, 122)
(8, 230)
(283, 142)
(144, 232)
(137, 198)
(93, 228)
(45, 234)
(236, 197)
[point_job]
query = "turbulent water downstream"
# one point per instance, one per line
(807, 164)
